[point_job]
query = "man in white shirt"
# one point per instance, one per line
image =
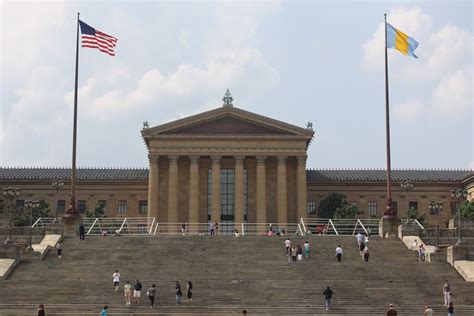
(116, 277)
(339, 253)
(414, 246)
(288, 245)
(359, 238)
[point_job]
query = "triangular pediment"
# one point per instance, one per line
(228, 125)
(227, 121)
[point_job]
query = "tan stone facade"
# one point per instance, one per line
(231, 165)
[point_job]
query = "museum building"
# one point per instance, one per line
(232, 166)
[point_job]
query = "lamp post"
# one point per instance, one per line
(57, 184)
(435, 208)
(10, 194)
(407, 186)
(30, 205)
(458, 195)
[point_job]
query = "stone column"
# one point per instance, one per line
(261, 216)
(301, 193)
(173, 190)
(239, 192)
(216, 188)
(282, 212)
(153, 181)
(194, 193)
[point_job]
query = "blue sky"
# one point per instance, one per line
(293, 61)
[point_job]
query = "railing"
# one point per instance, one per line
(411, 221)
(118, 226)
(45, 221)
(322, 226)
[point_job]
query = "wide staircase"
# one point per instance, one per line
(231, 274)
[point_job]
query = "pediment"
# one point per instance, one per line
(227, 125)
(227, 121)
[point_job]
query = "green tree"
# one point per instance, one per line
(98, 212)
(21, 216)
(347, 210)
(467, 210)
(413, 213)
(329, 205)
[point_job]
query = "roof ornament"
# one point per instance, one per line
(309, 125)
(227, 98)
(146, 125)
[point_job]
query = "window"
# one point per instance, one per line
(19, 204)
(413, 205)
(454, 207)
(372, 208)
(61, 206)
(103, 203)
(122, 206)
(143, 228)
(81, 206)
(311, 207)
(209, 195)
(395, 206)
(246, 196)
(142, 206)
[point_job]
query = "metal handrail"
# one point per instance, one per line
(93, 224)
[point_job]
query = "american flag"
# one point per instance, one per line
(93, 38)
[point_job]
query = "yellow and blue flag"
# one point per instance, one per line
(400, 41)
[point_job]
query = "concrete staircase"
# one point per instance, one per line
(230, 274)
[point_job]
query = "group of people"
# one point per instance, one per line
(296, 253)
(420, 248)
(363, 243)
(151, 292)
(275, 230)
(213, 228)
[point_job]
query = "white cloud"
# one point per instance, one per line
(453, 95)
(408, 110)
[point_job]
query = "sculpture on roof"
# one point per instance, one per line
(309, 125)
(227, 98)
(146, 125)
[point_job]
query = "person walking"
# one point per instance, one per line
(82, 231)
(183, 229)
(189, 292)
(306, 249)
(365, 254)
(211, 227)
(421, 253)
(391, 311)
(327, 297)
(428, 311)
(41, 311)
(339, 253)
(216, 228)
(287, 243)
(59, 248)
(127, 291)
(294, 252)
(446, 293)
(359, 239)
(151, 294)
(450, 309)
(137, 291)
(103, 312)
(116, 277)
(414, 246)
(178, 293)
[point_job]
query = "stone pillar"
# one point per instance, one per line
(216, 189)
(194, 193)
(282, 205)
(239, 192)
(153, 180)
(301, 192)
(261, 216)
(173, 190)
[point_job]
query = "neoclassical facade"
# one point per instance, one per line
(232, 166)
(227, 165)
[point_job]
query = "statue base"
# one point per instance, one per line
(388, 227)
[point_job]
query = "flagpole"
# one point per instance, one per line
(71, 214)
(389, 212)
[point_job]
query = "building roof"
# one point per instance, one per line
(315, 175)
(423, 175)
(65, 173)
